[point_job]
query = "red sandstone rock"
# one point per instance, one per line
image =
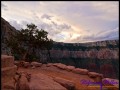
(33, 67)
(36, 64)
(43, 82)
(22, 82)
(94, 74)
(61, 66)
(70, 68)
(81, 71)
(26, 64)
(7, 61)
(8, 87)
(49, 64)
(66, 83)
(16, 63)
(55, 64)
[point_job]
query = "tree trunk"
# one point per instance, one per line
(24, 56)
(29, 51)
(49, 55)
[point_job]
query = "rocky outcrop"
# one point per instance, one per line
(70, 68)
(61, 66)
(81, 71)
(22, 81)
(22, 64)
(36, 64)
(7, 61)
(6, 32)
(8, 70)
(94, 74)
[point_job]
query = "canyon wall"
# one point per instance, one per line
(108, 49)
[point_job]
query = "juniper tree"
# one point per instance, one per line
(26, 40)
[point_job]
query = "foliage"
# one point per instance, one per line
(26, 40)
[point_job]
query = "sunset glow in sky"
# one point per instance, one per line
(70, 21)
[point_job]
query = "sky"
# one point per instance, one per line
(66, 21)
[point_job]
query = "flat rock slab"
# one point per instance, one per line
(43, 82)
(61, 66)
(94, 75)
(70, 68)
(66, 83)
(81, 71)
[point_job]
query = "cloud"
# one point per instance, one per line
(104, 35)
(62, 26)
(4, 7)
(46, 16)
(67, 21)
(109, 10)
(36, 17)
(18, 25)
(111, 34)
(56, 30)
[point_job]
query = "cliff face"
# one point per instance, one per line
(6, 32)
(101, 54)
(101, 50)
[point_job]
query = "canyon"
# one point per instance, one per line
(99, 56)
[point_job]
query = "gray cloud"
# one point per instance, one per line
(110, 34)
(17, 25)
(35, 16)
(53, 28)
(4, 7)
(46, 16)
(106, 35)
(64, 26)
(24, 23)
(61, 26)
